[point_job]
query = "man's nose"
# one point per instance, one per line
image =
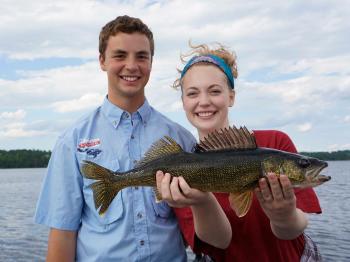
(131, 64)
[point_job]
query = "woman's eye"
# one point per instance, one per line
(191, 94)
(216, 92)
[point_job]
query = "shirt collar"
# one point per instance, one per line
(114, 114)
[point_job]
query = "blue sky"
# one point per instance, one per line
(293, 63)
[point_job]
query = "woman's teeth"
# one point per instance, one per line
(205, 114)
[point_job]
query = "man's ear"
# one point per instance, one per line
(232, 97)
(102, 62)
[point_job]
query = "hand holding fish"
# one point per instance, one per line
(205, 208)
(279, 204)
(177, 193)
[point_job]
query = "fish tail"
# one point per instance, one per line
(92, 170)
(107, 186)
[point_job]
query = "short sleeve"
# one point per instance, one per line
(61, 200)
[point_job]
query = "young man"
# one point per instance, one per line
(115, 135)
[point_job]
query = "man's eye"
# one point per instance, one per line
(143, 57)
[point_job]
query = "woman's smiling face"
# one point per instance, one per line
(206, 98)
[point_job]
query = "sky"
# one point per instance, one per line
(293, 64)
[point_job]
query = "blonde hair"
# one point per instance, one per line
(221, 51)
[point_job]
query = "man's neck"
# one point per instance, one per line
(128, 104)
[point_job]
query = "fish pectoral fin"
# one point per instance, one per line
(241, 202)
(158, 195)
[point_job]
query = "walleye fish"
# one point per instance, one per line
(227, 160)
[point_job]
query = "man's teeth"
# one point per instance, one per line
(130, 78)
(204, 114)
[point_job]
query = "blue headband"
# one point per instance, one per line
(213, 59)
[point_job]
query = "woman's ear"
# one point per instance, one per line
(232, 97)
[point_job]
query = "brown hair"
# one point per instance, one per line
(125, 24)
(221, 51)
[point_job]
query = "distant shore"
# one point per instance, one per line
(25, 158)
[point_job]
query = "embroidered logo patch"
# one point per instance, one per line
(89, 147)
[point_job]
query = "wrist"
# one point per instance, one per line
(207, 200)
(291, 227)
(286, 220)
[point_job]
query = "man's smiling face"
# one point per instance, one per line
(128, 62)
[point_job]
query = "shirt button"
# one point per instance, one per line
(142, 242)
(135, 161)
(132, 137)
(126, 116)
(136, 187)
(139, 215)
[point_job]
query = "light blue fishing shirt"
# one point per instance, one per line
(135, 227)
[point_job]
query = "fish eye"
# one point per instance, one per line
(304, 163)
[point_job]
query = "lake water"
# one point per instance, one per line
(22, 240)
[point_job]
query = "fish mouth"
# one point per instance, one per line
(316, 170)
(323, 178)
(313, 176)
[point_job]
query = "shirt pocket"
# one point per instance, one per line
(115, 210)
(161, 209)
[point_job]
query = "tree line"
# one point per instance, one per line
(329, 156)
(25, 158)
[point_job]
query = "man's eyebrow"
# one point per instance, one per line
(119, 51)
(143, 52)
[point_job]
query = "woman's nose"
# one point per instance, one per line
(204, 100)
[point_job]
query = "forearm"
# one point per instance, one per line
(211, 224)
(61, 245)
(290, 228)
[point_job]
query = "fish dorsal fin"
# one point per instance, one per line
(241, 202)
(228, 138)
(163, 147)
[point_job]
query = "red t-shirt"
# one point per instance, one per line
(252, 238)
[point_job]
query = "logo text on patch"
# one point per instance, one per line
(87, 146)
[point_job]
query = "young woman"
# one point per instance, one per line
(273, 228)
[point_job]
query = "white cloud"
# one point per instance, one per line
(42, 88)
(304, 127)
(13, 116)
(347, 119)
(18, 130)
(86, 101)
(336, 147)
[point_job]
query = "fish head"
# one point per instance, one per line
(304, 171)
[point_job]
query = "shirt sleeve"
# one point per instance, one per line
(61, 200)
